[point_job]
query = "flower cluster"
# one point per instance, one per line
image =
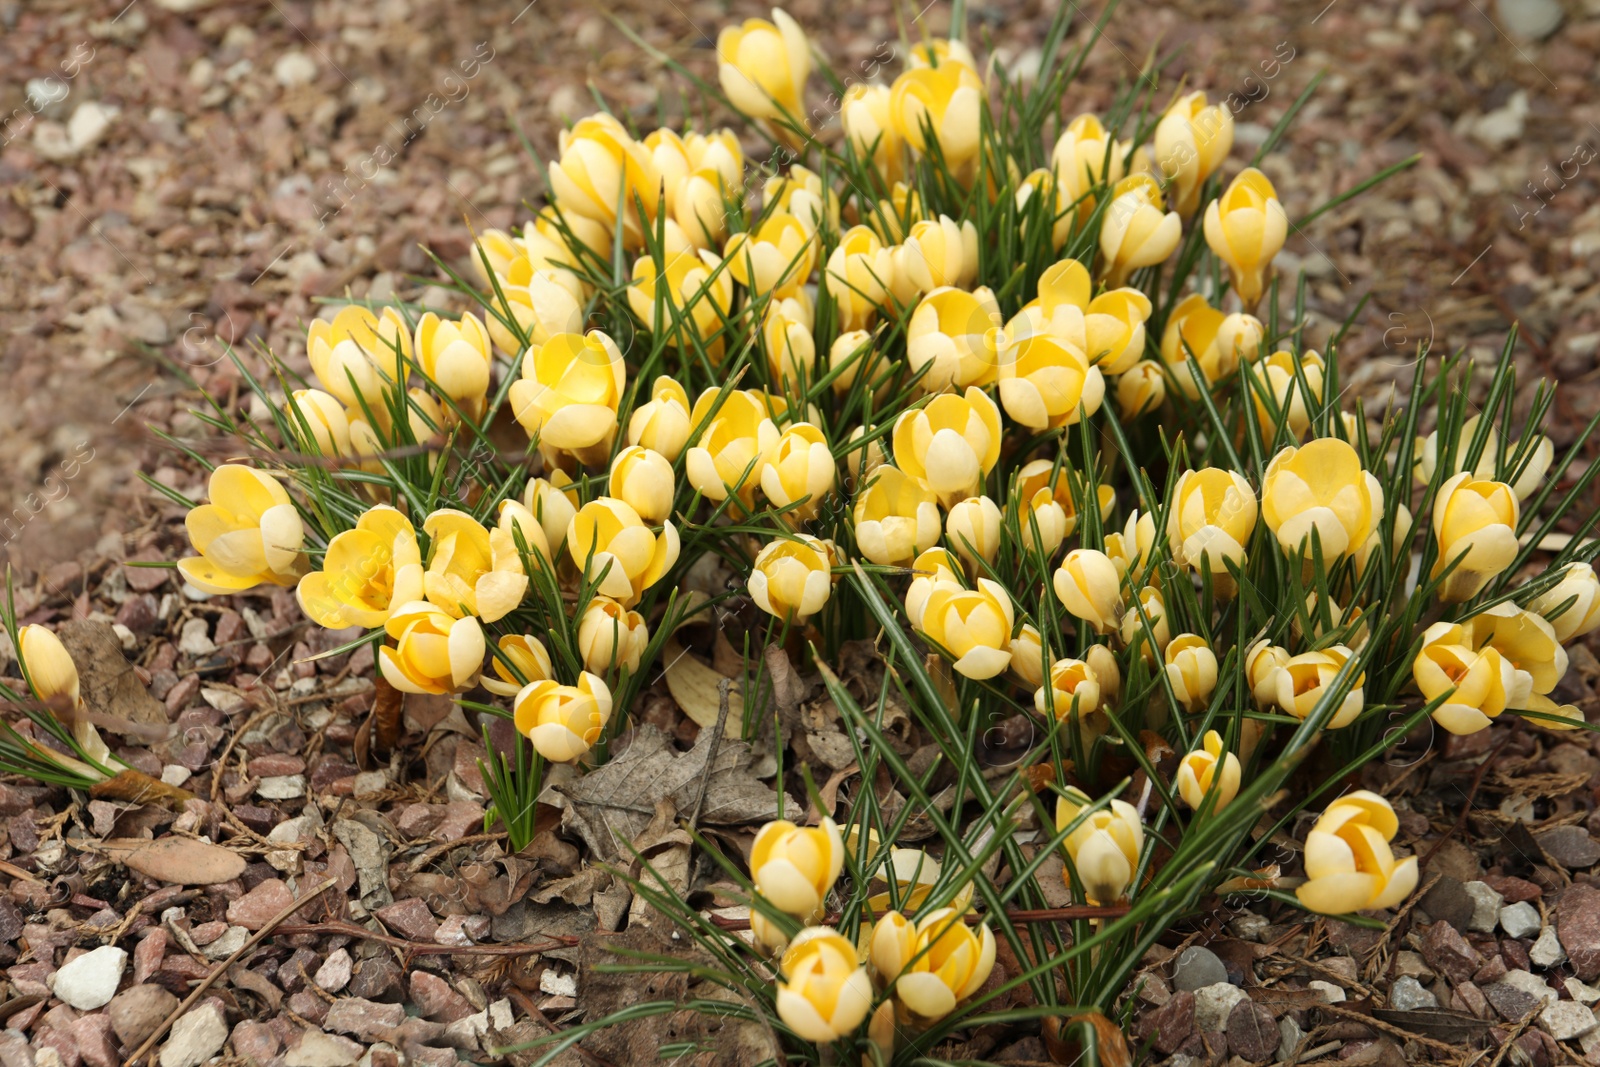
(1027, 419)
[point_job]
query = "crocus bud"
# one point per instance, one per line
(602, 168)
(1103, 662)
(1215, 341)
(563, 721)
(800, 472)
(850, 354)
(366, 573)
(541, 302)
(953, 333)
(932, 569)
(950, 445)
(433, 651)
(1321, 487)
(530, 658)
(1191, 141)
(1086, 156)
(611, 637)
(1212, 515)
(858, 275)
(1261, 663)
(867, 118)
(1054, 207)
(934, 964)
(895, 518)
(1130, 548)
(762, 66)
(569, 392)
(359, 353)
(1046, 382)
(795, 866)
(1028, 660)
(1349, 865)
(1154, 610)
(791, 578)
(947, 99)
(1142, 388)
(1277, 380)
(1136, 231)
(51, 672)
(689, 292)
(1475, 523)
(973, 530)
(456, 356)
(1089, 587)
(824, 992)
(1303, 681)
(553, 502)
(319, 422)
(1073, 691)
(861, 460)
(643, 478)
(972, 627)
(786, 337)
(472, 570)
(1207, 769)
(248, 533)
(1582, 615)
(936, 254)
(1104, 849)
(777, 258)
(733, 447)
(607, 537)
(1245, 227)
(1191, 671)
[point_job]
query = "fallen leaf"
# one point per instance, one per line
(179, 860)
(1441, 1024)
(1072, 1040)
(697, 687)
(136, 787)
(105, 676)
(611, 806)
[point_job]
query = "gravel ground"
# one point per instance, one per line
(186, 173)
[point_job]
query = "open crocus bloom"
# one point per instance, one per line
(934, 964)
(563, 721)
(366, 573)
(825, 992)
(795, 866)
(247, 534)
(1349, 865)
(608, 537)
(472, 570)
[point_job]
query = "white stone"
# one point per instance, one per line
(175, 775)
(1565, 1020)
(42, 92)
(1290, 1035)
(1486, 905)
(195, 638)
(500, 1014)
(1533, 19)
(1520, 919)
(1496, 129)
(282, 787)
(90, 981)
(294, 68)
(317, 1049)
(1331, 994)
(558, 984)
(1547, 951)
(88, 125)
(1408, 994)
(1583, 994)
(196, 1037)
(231, 941)
(1212, 1004)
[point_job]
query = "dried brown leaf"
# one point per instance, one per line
(179, 860)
